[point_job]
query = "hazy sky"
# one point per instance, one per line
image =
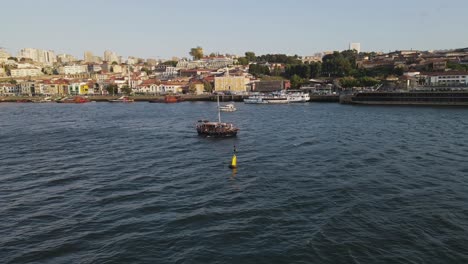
(162, 29)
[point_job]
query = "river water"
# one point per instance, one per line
(316, 183)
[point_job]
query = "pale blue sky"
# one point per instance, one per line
(162, 29)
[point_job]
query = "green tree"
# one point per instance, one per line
(12, 81)
(148, 71)
(170, 63)
(126, 90)
(296, 81)
(13, 58)
(302, 70)
(257, 70)
(250, 55)
(367, 81)
(196, 53)
(276, 71)
(348, 82)
(315, 69)
(112, 89)
(192, 88)
(207, 87)
(456, 66)
(338, 64)
(243, 61)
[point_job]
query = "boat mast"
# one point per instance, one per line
(129, 77)
(219, 112)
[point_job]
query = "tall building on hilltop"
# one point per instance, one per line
(64, 58)
(88, 56)
(111, 56)
(4, 55)
(38, 55)
(355, 46)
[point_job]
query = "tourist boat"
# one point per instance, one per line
(255, 99)
(228, 108)
(298, 97)
(267, 99)
(276, 99)
(216, 129)
(74, 100)
(123, 99)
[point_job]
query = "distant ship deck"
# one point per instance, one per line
(449, 98)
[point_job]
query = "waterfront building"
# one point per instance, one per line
(79, 88)
(147, 87)
(171, 87)
(449, 78)
(198, 87)
(9, 89)
(231, 83)
(270, 86)
(25, 72)
(27, 88)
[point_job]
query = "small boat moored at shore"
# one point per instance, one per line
(298, 97)
(123, 99)
(172, 99)
(74, 100)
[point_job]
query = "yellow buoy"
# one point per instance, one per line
(234, 160)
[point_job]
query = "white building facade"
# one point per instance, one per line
(73, 69)
(26, 72)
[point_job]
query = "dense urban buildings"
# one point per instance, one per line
(41, 72)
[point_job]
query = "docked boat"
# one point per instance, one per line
(255, 99)
(298, 97)
(123, 99)
(430, 98)
(24, 101)
(267, 99)
(74, 100)
(228, 108)
(216, 129)
(276, 99)
(44, 100)
(172, 99)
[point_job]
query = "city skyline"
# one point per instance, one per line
(161, 30)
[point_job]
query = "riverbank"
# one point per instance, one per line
(104, 98)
